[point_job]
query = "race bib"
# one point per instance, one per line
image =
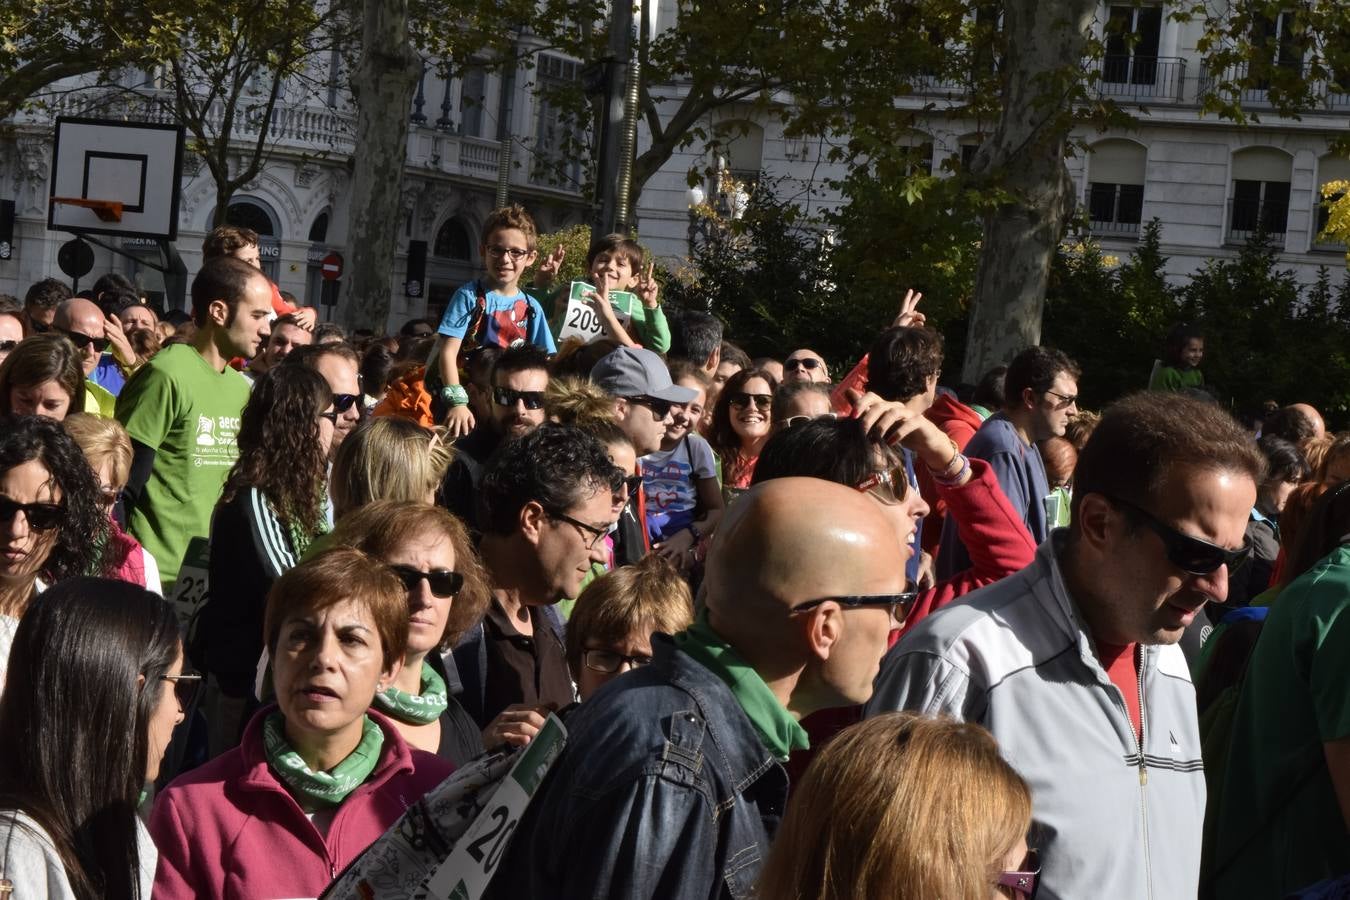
(189, 591)
(581, 320)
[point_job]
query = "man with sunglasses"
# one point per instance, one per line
(805, 365)
(1073, 663)
(547, 505)
(672, 782)
(644, 397)
(516, 397)
(84, 324)
(1040, 396)
(340, 367)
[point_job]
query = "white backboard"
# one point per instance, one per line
(136, 163)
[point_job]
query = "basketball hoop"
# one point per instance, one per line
(106, 210)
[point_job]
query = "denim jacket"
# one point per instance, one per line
(664, 790)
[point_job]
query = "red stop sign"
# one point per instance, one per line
(331, 266)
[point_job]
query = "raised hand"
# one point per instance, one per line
(647, 289)
(117, 339)
(550, 267)
(909, 315)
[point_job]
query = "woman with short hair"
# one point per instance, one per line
(51, 526)
(430, 551)
(42, 376)
(318, 776)
(86, 729)
(905, 807)
(107, 449)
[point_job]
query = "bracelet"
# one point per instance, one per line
(954, 480)
(952, 468)
(454, 394)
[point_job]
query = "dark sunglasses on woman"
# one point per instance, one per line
(40, 516)
(742, 399)
(443, 582)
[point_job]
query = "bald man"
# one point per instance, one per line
(672, 782)
(83, 322)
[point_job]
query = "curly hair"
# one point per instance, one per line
(383, 527)
(279, 449)
(39, 359)
(902, 360)
(513, 216)
(83, 531)
(723, 438)
(554, 466)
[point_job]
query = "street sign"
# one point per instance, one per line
(331, 266)
(75, 258)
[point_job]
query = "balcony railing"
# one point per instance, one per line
(1247, 217)
(1114, 210)
(1155, 79)
(1333, 94)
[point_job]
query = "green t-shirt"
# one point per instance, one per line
(1279, 825)
(188, 413)
(1166, 378)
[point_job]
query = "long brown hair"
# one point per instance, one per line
(721, 435)
(900, 806)
(39, 359)
(279, 449)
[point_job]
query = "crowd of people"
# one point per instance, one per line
(264, 584)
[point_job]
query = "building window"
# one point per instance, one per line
(1115, 194)
(452, 241)
(1133, 34)
(1260, 200)
(318, 232)
(472, 95)
(741, 144)
(556, 135)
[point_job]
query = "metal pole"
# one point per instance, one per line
(503, 171)
(612, 117)
(623, 218)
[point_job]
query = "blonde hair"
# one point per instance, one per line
(1080, 428)
(103, 441)
(382, 527)
(1322, 452)
(900, 806)
(575, 401)
(387, 458)
(648, 596)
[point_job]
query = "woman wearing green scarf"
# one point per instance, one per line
(318, 776)
(429, 549)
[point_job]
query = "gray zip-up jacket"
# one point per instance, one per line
(1110, 822)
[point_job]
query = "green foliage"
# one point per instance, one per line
(575, 241)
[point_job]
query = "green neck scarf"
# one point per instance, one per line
(421, 708)
(780, 732)
(316, 790)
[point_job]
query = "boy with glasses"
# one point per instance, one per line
(489, 311)
(1073, 663)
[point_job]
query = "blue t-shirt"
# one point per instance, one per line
(507, 319)
(108, 375)
(1020, 473)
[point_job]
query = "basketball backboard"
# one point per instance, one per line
(97, 164)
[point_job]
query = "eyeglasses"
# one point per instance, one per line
(898, 605)
(890, 487)
(443, 582)
(514, 252)
(109, 495)
(1025, 882)
(40, 516)
(185, 688)
(597, 534)
(1065, 400)
(742, 399)
(609, 662)
(659, 408)
(794, 421)
(6, 346)
(1189, 554)
(805, 362)
(344, 402)
(507, 397)
(81, 341)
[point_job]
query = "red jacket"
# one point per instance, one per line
(959, 422)
(999, 545)
(231, 830)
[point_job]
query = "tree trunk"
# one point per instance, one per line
(1046, 45)
(383, 84)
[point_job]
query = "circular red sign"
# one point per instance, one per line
(331, 266)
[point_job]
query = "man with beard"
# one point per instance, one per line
(339, 365)
(1073, 662)
(518, 381)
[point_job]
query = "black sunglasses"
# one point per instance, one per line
(899, 604)
(40, 516)
(744, 399)
(1189, 554)
(81, 341)
(807, 362)
(185, 688)
(6, 346)
(344, 402)
(659, 408)
(632, 484)
(443, 583)
(507, 397)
